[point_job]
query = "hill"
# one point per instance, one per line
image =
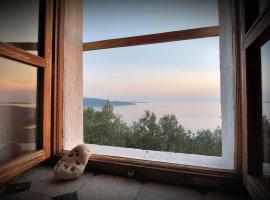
(94, 102)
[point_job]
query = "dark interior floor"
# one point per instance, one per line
(39, 183)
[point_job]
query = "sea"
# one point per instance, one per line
(191, 115)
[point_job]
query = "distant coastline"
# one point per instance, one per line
(95, 102)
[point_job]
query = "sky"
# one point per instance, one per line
(103, 19)
(183, 70)
(158, 72)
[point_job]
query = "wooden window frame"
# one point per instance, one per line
(255, 31)
(43, 63)
(153, 38)
(217, 179)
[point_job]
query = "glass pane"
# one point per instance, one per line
(121, 18)
(177, 82)
(18, 93)
(265, 62)
(264, 4)
(19, 21)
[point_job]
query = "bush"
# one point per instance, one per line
(107, 128)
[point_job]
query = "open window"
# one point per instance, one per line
(110, 61)
(25, 84)
(59, 125)
(170, 94)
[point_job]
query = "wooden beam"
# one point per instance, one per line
(153, 38)
(58, 77)
(48, 78)
(14, 53)
(27, 46)
(20, 164)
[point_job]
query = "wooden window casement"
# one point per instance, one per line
(43, 63)
(255, 34)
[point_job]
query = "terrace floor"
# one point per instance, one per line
(39, 183)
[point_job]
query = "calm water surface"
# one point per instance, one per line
(193, 116)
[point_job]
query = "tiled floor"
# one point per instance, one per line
(97, 187)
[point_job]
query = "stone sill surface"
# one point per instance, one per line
(164, 157)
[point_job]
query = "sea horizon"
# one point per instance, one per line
(192, 115)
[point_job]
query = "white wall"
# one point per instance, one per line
(73, 75)
(227, 81)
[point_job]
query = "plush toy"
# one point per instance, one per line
(72, 165)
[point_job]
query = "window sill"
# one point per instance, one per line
(190, 170)
(202, 161)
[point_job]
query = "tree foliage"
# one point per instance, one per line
(104, 127)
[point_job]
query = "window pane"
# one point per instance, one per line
(121, 18)
(178, 82)
(18, 93)
(19, 21)
(265, 62)
(264, 4)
